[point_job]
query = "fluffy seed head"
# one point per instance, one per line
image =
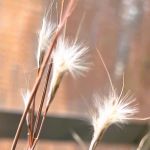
(67, 57)
(44, 38)
(70, 57)
(114, 109)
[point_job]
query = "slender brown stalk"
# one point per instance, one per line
(42, 101)
(43, 66)
(37, 138)
(31, 123)
(61, 10)
(47, 108)
(32, 120)
(68, 12)
(43, 97)
(97, 139)
(29, 134)
(35, 87)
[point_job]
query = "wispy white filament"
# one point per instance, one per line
(68, 57)
(25, 96)
(44, 38)
(113, 110)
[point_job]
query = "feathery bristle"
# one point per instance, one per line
(71, 57)
(113, 110)
(44, 39)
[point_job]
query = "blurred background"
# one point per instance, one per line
(118, 28)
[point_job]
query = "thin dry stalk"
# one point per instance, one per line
(46, 110)
(29, 130)
(61, 10)
(79, 27)
(95, 141)
(32, 121)
(33, 92)
(43, 66)
(42, 101)
(39, 131)
(79, 141)
(140, 147)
